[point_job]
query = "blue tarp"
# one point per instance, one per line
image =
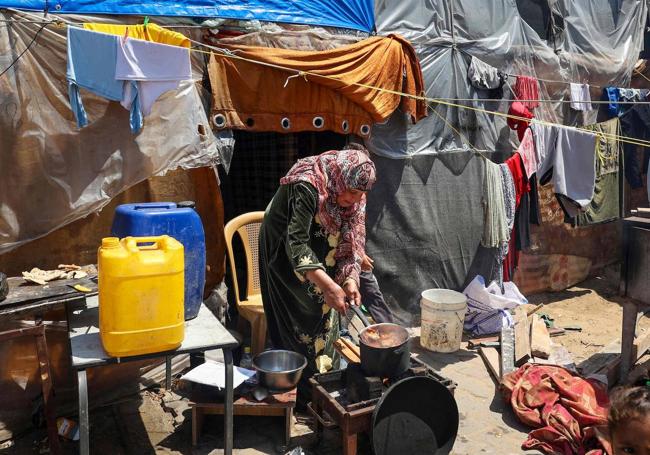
(353, 14)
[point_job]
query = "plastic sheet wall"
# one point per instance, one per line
(596, 42)
(425, 212)
(52, 173)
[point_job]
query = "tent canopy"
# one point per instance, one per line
(352, 14)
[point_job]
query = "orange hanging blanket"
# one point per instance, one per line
(256, 97)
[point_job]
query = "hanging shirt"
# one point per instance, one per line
(151, 69)
(568, 160)
(544, 138)
(149, 32)
(580, 97)
(610, 94)
(530, 201)
(91, 65)
(535, 212)
(527, 89)
(526, 150)
(483, 76)
(607, 202)
(635, 124)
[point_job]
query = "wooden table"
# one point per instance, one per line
(202, 333)
(28, 300)
(276, 404)
(635, 285)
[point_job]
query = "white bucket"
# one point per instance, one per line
(443, 314)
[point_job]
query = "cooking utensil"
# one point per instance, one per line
(385, 350)
(279, 370)
(417, 416)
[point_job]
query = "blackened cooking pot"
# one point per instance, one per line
(385, 350)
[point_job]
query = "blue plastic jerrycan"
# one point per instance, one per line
(178, 220)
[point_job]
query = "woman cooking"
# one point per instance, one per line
(312, 242)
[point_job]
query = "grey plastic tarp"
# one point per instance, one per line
(599, 44)
(52, 173)
(424, 217)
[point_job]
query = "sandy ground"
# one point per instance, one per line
(157, 422)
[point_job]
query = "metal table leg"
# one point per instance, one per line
(84, 433)
(228, 417)
(168, 372)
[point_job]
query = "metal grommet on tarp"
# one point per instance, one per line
(364, 130)
(285, 123)
(219, 120)
(345, 126)
(318, 122)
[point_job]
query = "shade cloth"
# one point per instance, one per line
(255, 97)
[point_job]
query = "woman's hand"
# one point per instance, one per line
(335, 298)
(352, 292)
(332, 292)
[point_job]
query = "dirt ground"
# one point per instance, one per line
(159, 422)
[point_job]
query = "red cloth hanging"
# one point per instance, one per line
(527, 89)
(518, 109)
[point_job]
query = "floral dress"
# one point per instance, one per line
(292, 242)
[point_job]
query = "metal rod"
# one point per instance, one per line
(228, 407)
(168, 372)
(84, 426)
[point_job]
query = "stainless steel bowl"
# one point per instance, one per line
(279, 370)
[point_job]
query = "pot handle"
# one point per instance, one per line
(326, 423)
(360, 315)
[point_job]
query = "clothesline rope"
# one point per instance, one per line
(229, 54)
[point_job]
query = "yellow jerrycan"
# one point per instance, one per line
(141, 295)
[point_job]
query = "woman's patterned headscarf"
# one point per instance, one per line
(332, 173)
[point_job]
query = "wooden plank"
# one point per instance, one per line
(351, 355)
(540, 341)
(507, 350)
(535, 310)
(556, 331)
(641, 345)
(476, 342)
(522, 337)
(238, 410)
(352, 347)
(605, 361)
(491, 358)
